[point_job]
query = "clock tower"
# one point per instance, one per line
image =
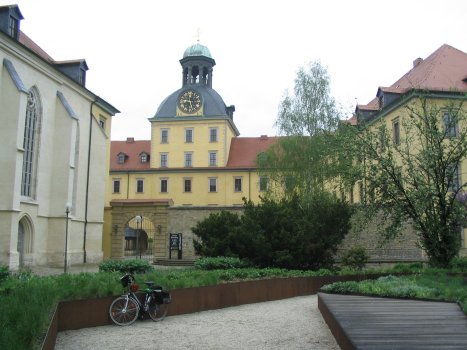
(193, 125)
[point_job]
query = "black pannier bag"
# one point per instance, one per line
(162, 296)
(125, 280)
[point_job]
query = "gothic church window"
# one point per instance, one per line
(30, 144)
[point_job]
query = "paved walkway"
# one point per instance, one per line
(367, 323)
(293, 323)
(46, 270)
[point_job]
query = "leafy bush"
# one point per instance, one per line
(220, 263)
(126, 266)
(355, 258)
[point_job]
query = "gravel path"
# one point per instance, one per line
(294, 323)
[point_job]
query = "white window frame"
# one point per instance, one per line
(266, 180)
(212, 158)
(162, 179)
(165, 139)
(451, 129)
(114, 181)
(185, 179)
(138, 181)
(214, 179)
(188, 163)
(187, 131)
(164, 159)
(216, 134)
(238, 178)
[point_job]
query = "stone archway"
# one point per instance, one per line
(154, 211)
(24, 243)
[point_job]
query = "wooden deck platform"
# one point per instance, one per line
(367, 323)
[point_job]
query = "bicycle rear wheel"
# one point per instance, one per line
(124, 311)
(157, 312)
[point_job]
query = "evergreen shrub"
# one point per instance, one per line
(355, 258)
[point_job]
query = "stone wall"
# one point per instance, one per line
(403, 248)
(182, 219)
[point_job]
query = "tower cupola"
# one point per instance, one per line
(197, 65)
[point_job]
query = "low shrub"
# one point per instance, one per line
(220, 263)
(126, 266)
(459, 263)
(355, 258)
(346, 287)
(408, 267)
(4, 273)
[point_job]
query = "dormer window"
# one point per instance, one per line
(121, 157)
(13, 29)
(10, 17)
(144, 157)
(82, 77)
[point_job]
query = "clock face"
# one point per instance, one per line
(189, 101)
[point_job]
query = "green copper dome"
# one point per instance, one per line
(197, 50)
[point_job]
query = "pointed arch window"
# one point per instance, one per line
(30, 144)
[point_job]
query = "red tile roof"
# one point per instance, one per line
(132, 149)
(243, 153)
(444, 70)
(31, 45)
(244, 150)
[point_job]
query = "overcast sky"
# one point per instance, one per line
(133, 48)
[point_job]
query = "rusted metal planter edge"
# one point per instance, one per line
(76, 314)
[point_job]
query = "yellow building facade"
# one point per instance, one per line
(194, 164)
(437, 84)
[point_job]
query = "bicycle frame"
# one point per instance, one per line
(125, 309)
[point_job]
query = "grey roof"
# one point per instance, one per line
(213, 104)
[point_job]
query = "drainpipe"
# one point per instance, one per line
(87, 183)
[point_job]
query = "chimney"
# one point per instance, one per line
(417, 61)
(130, 140)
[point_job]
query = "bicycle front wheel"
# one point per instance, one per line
(157, 312)
(124, 311)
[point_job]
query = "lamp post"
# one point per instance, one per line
(138, 227)
(67, 211)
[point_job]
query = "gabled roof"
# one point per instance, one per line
(244, 150)
(132, 149)
(444, 71)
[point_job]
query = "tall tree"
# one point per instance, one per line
(411, 173)
(305, 159)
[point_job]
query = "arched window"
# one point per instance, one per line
(30, 144)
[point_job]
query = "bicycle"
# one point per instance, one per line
(125, 309)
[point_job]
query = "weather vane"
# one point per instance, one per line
(198, 34)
